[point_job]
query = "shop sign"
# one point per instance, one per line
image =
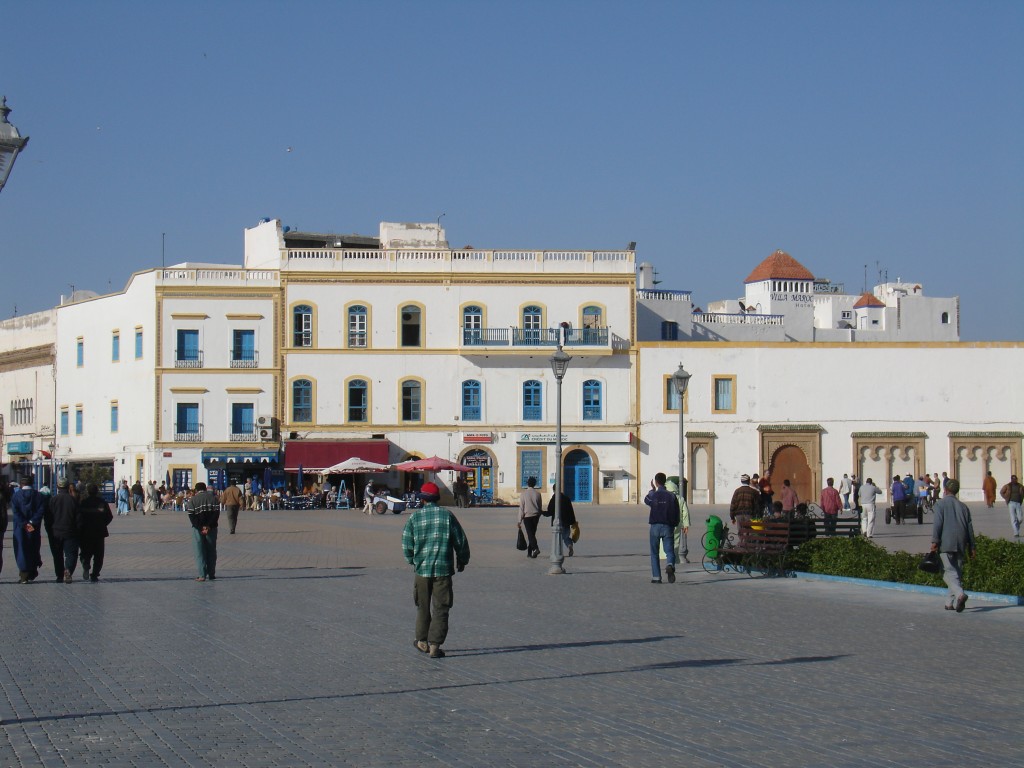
(587, 438)
(477, 437)
(476, 461)
(20, 447)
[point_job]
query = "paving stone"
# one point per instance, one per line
(300, 654)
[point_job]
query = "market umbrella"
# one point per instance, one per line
(433, 464)
(355, 464)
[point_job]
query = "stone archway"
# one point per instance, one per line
(793, 452)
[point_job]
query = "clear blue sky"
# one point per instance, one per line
(885, 134)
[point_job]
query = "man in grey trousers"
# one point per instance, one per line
(953, 538)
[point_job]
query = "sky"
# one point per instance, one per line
(866, 139)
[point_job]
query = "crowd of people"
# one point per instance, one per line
(75, 527)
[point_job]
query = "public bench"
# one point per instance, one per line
(844, 526)
(759, 546)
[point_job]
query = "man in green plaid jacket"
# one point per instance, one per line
(436, 546)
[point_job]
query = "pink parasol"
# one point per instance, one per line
(433, 464)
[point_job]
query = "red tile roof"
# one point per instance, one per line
(868, 300)
(779, 266)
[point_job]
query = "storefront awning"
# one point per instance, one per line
(238, 456)
(315, 455)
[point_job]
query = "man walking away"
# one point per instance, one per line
(953, 538)
(845, 487)
(868, 499)
(745, 502)
(663, 519)
(94, 517)
(831, 503)
(64, 515)
(232, 499)
(529, 515)
(1013, 495)
(567, 515)
(204, 512)
(434, 543)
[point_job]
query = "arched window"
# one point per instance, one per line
(591, 400)
(357, 326)
(358, 400)
(302, 400)
(412, 396)
(411, 330)
(945, 318)
(532, 319)
(533, 408)
(302, 326)
(471, 410)
(472, 325)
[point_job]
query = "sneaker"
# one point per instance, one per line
(655, 581)
(94, 578)
(67, 577)
(671, 572)
(569, 553)
(960, 603)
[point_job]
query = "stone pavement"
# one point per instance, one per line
(300, 653)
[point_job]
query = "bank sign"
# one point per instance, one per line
(587, 438)
(20, 448)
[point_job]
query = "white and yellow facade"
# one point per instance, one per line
(319, 347)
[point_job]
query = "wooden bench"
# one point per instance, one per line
(845, 526)
(759, 546)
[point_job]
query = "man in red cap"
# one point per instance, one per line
(436, 546)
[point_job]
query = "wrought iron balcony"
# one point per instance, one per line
(534, 337)
(184, 358)
(245, 358)
(188, 433)
(248, 435)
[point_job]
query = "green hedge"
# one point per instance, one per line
(998, 567)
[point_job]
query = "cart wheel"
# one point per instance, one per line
(397, 511)
(380, 507)
(888, 515)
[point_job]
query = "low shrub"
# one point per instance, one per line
(998, 567)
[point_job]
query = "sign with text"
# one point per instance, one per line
(534, 438)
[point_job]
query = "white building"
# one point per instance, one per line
(319, 347)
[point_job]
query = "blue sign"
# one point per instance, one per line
(19, 448)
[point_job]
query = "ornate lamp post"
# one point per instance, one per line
(559, 365)
(681, 379)
(11, 143)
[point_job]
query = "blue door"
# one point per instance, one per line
(578, 480)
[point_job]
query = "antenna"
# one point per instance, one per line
(163, 245)
(865, 279)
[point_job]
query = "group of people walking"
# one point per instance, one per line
(75, 529)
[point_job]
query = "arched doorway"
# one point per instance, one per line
(790, 463)
(481, 479)
(578, 476)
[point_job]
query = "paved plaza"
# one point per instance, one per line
(301, 653)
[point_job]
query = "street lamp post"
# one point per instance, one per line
(11, 143)
(681, 379)
(559, 365)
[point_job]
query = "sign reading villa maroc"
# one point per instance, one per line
(573, 437)
(800, 299)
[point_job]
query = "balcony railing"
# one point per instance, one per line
(534, 337)
(190, 433)
(740, 318)
(246, 435)
(188, 359)
(245, 359)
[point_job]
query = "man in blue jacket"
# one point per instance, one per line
(663, 520)
(27, 507)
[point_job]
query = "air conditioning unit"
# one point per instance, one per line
(267, 433)
(265, 421)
